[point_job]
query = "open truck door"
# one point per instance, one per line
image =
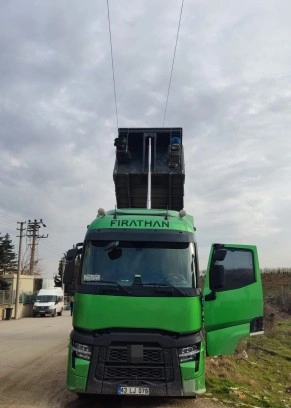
(233, 297)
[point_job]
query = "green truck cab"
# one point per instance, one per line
(141, 324)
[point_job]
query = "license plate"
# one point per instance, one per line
(133, 391)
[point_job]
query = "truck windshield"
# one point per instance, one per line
(46, 298)
(146, 263)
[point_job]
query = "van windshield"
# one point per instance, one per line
(46, 298)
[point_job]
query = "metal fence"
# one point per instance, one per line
(27, 298)
(6, 297)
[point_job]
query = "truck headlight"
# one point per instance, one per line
(82, 350)
(188, 353)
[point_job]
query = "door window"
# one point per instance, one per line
(238, 269)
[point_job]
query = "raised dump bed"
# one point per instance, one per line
(167, 168)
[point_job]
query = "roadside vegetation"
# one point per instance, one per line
(259, 374)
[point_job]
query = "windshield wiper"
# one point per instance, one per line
(165, 285)
(116, 284)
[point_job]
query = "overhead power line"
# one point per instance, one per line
(112, 63)
(169, 87)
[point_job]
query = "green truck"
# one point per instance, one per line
(141, 323)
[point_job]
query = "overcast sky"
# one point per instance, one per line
(230, 92)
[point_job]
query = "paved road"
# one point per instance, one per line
(33, 370)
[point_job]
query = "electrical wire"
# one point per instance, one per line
(173, 62)
(112, 64)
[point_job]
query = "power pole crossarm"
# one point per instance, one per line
(33, 232)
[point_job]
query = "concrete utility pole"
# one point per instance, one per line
(21, 229)
(33, 232)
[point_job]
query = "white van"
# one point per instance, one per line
(49, 302)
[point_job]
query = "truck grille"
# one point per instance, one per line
(120, 355)
(134, 373)
(123, 362)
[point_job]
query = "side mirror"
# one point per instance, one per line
(219, 255)
(115, 253)
(70, 266)
(112, 245)
(69, 272)
(71, 254)
(216, 277)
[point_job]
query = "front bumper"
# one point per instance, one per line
(136, 360)
(43, 312)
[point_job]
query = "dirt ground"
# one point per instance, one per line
(33, 370)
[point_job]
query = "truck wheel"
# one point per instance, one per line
(54, 313)
(60, 313)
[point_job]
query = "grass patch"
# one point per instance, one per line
(254, 376)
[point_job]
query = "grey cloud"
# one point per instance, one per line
(230, 92)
